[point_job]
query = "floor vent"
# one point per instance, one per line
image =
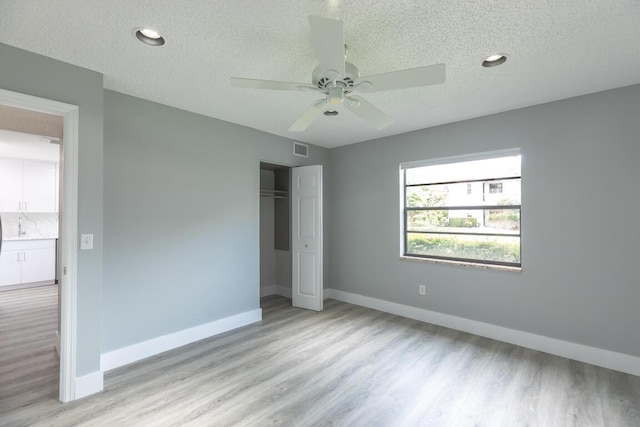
(300, 149)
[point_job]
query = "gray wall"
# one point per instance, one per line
(182, 215)
(580, 234)
(36, 75)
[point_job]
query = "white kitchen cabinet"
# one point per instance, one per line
(27, 261)
(28, 186)
(10, 267)
(39, 186)
(10, 185)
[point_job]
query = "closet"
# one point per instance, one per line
(275, 230)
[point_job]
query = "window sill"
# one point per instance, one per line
(463, 264)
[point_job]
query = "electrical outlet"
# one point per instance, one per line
(422, 290)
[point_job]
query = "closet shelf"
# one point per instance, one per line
(276, 194)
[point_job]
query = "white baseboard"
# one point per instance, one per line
(27, 285)
(133, 353)
(265, 291)
(89, 384)
(582, 353)
(283, 291)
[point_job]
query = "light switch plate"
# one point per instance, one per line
(86, 242)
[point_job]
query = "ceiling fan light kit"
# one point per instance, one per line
(337, 79)
(335, 95)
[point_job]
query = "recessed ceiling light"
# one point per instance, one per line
(494, 60)
(149, 36)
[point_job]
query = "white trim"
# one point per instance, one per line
(89, 384)
(68, 232)
(507, 152)
(283, 291)
(265, 291)
(68, 252)
(582, 353)
(142, 350)
(471, 264)
(25, 285)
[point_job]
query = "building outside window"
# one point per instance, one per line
(495, 187)
(463, 209)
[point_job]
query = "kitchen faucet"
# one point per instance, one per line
(20, 230)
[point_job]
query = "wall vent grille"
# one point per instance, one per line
(300, 149)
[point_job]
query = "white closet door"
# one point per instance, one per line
(306, 221)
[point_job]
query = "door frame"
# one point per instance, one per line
(68, 228)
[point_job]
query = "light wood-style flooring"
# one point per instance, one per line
(345, 366)
(29, 364)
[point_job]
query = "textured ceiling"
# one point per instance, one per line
(557, 49)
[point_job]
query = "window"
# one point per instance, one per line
(443, 219)
(495, 187)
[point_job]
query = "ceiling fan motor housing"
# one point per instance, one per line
(347, 81)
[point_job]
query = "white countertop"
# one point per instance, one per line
(38, 237)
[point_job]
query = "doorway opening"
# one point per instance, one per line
(68, 229)
(291, 234)
(275, 230)
(29, 224)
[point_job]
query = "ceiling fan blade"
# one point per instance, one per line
(269, 84)
(413, 77)
(367, 112)
(327, 36)
(308, 117)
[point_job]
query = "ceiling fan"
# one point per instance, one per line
(337, 79)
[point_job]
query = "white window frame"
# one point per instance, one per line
(441, 161)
